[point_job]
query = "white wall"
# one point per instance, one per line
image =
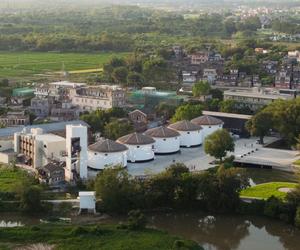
(87, 201)
(99, 161)
(208, 130)
(81, 162)
(191, 138)
(140, 153)
(166, 145)
(6, 144)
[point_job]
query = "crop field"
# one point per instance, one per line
(27, 64)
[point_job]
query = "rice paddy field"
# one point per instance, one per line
(17, 65)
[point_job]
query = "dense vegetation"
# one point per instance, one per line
(91, 237)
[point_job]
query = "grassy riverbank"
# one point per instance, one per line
(105, 237)
(266, 190)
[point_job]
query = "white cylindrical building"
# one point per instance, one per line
(140, 147)
(167, 141)
(209, 124)
(106, 153)
(190, 134)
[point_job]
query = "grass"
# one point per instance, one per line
(104, 237)
(24, 64)
(297, 163)
(9, 177)
(266, 190)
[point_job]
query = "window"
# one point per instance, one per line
(106, 154)
(95, 153)
(188, 133)
(165, 139)
(45, 146)
(138, 146)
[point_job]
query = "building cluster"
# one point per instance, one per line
(65, 100)
(210, 66)
(61, 151)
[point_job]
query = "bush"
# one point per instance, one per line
(136, 220)
(77, 231)
(272, 207)
(297, 218)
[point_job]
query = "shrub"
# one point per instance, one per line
(136, 220)
(272, 207)
(297, 218)
(77, 231)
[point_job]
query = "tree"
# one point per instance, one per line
(135, 79)
(165, 110)
(116, 129)
(228, 106)
(201, 88)
(120, 74)
(260, 125)
(30, 198)
(116, 190)
(187, 112)
(218, 144)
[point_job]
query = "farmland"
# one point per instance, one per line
(18, 65)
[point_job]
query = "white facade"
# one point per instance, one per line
(166, 145)
(140, 153)
(99, 161)
(209, 129)
(191, 138)
(87, 200)
(76, 148)
(39, 148)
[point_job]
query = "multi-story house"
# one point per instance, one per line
(228, 80)
(283, 79)
(210, 75)
(189, 77)
(296, 77)
(38, 148)
(199, 58)
(14, 118)
(98, 97)
(41, 106)
(255, 98)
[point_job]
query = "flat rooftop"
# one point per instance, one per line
(257, 94)
(49, 138)
(68, 84)
(229, 115)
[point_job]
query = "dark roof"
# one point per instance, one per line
(185, 126)
(162, 132)
(136, 139)
(107, 146)
(53, 166)
(206, 120)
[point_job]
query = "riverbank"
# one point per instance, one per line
(105, 237)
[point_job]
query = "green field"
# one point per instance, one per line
(9, 178)
(266, 190)
(27, 64)
(91, 237)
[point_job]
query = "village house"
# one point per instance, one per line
(199, 57)
(14, 118)
(53, 173)
(283, 79)
(98, 97)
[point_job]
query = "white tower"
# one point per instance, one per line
(76, 149)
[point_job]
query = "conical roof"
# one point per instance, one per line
(162, 132)
(107, 146)
(136, 139)
(207, 120)
(185, 126)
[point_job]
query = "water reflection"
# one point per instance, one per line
(230, 232)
